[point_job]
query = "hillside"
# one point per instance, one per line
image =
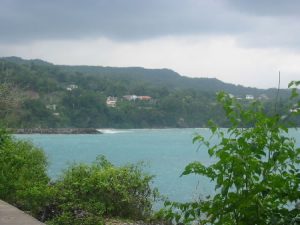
(36, 93)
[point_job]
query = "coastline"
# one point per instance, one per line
(96, 130)
(55, 131)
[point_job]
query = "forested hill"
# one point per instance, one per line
(153, 77)
(165, 78)
(35, 93)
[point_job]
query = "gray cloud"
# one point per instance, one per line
(267, 7)
(118, 19)
(255, 23)
(276, 23)
(273, 33)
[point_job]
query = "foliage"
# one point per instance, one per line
(255, 170)
(178, 101)
(85, 194)
(23, 179)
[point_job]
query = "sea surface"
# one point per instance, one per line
(165, 153)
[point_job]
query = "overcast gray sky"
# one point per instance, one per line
(241, 42)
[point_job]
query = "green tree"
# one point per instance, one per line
(23, 169)
(35, 112)
(9, 101)
(255, 170)
(86, 194)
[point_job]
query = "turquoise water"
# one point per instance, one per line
(165, 151)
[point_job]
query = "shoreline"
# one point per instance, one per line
(55, 131)
(95, 130)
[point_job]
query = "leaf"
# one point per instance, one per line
(291, 84)
(198, 138)
(195, 167)
(213, 127)
(211, 151)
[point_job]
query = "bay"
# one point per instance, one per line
(165, 153)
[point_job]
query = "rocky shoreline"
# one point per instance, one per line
(55, 131)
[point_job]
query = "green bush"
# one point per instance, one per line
(255, 171)
(23, 174)
(85, 194)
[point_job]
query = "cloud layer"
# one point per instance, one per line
(255, 23)
(218, 38)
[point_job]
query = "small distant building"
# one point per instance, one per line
(295, 110)
(249, 97)
(263, 97)
(134, 97)
(231, 95)
(56, 114)
(144, 98)
(71, 87)
(111, 101)
(130, 97)
(51, 107)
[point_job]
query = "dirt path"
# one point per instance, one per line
(10, 215)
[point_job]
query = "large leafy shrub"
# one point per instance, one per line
(85, 194)
(23, 174)
(255, 170)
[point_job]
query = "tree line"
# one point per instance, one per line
(33, 94)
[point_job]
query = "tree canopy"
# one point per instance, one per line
(255, 169)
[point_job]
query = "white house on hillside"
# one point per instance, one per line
(249, 97)
(130, 97)
(71, 87)
(51, 107)
(111, 101)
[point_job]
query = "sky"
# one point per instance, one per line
(237, 41)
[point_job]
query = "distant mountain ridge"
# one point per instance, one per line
(19, 60)
(156, 77)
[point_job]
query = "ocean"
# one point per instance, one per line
(165, 153)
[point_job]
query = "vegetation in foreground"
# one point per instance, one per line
(23, 179)
(256, 171)
(84, 194)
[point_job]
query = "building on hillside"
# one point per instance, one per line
(111, 101)
(249, 97)
(51, 107)
(130, 97)
(144, 98)
(296, 110)
(71, 87)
